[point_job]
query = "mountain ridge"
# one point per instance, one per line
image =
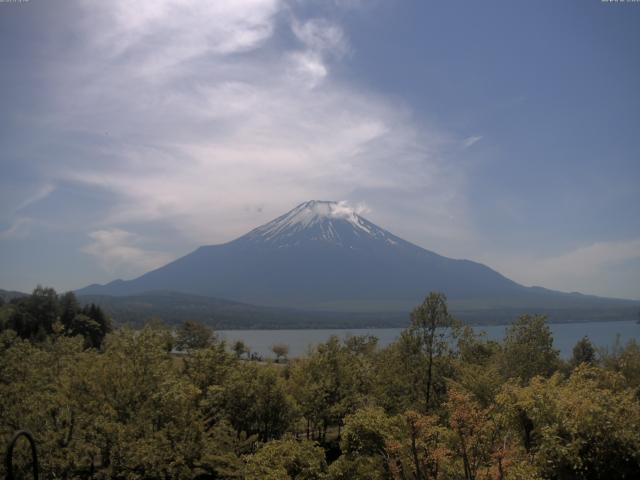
(324, 255)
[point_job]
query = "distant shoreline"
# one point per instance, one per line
(565, 335)
(377, 327)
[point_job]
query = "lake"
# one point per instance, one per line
(565, 335)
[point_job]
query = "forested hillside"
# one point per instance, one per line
(175, 307)
(439, 403)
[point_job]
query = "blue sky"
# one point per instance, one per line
(504, 132)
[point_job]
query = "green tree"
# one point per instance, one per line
(5, 314)
(475, 438)
(408, 446)
(35, 315)
(43, 307)
(157, 325)
(209, 366)
(431, 323)
(287, 459)
(364, 445)
(133, 410)
(476, 366)
(144, 416)
(96, 313)
(413, 371)
(418, 452)
(88, 328)
(192, 335)
(528, 349)
(331, 383)
(587, 427)
(254, 400)
(583, 352)
(239, 348)
(33, 396)
(281, 350)
(69, 308)
(363, 345)
(625, 360)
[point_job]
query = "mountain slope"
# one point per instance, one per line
(8, 295)
(174, 308)
(322, 255)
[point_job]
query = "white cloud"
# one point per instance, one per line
(321, 39)
(165, 33)
(343, 209)
(307, 68)
(119, 251)
(321, 36)
(198, 132)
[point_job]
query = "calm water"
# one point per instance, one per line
(565, 335)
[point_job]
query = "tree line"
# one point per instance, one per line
(44, 313)
(441, 402)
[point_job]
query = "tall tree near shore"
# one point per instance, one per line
(192, 335)
(281, 350)
(583, 352)
(430, 324)
(239, 348)
(528, 349)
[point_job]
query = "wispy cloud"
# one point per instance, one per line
(200, 126)
(118, 251)
(20, 223)
(39, 194)
(166, 33)
(19, 228)
(469, 141)
(585, 268)
(321, 36)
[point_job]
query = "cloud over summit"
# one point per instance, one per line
(193, 124)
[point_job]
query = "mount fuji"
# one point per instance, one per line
(324, 256)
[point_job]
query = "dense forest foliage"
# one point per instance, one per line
(441, 402)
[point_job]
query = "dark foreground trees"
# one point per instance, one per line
(348, 410)
(44, 313)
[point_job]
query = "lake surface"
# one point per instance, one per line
(565, 335)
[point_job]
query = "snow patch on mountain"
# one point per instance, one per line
(334, 222)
